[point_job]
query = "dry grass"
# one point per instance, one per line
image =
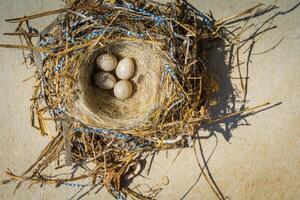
(173, 89)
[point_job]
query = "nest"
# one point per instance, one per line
(172, 88)
(171, 85)
(101, 108)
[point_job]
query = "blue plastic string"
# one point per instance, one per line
(118, 194)
(160, 20)
(44, 56)
(121, 196)
(206, 21)
(103, 131)
(59, 110)
(97, 32)
(75, 185)
(171, 71)
(46, 41)
(60, 64)
(94, 34)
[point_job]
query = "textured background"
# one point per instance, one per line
(260, 161)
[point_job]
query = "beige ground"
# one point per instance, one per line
(261, 161)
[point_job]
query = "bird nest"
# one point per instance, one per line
(171, 97)
(171, 86)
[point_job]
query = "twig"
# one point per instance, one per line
(220, 22)
(26, 18)
(22, 47)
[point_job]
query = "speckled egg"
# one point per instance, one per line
(105, 80)
(107, 62)
(123, 89)
(125, 68)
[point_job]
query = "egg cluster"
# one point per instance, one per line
(109, 68)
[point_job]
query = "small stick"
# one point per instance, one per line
(24, 47)
(44, 180)
(23, 34)
(239, 67)
(25, 18)
(220, 22)
(240, 112)
(98, 40)
(199, 119)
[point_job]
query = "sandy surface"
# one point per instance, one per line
(259, 160)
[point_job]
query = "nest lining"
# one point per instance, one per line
(101, 108)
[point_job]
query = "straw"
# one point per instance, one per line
(172, 88)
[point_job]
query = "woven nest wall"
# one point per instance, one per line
(173, 92)
(101, 108)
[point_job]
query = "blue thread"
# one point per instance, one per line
(70, 39)
(46, 41)
(121, 196)
(75, 185)
(60, 64)
(94, 34)
(136, 142)
(160, 20)
(206, 21)
(171, 71)
(59, 110)
(103, 131)
(97, 32)
(44, 56)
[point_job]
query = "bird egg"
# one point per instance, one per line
(107, 62)
(125, 69)
(105, 80)
(123, 89)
